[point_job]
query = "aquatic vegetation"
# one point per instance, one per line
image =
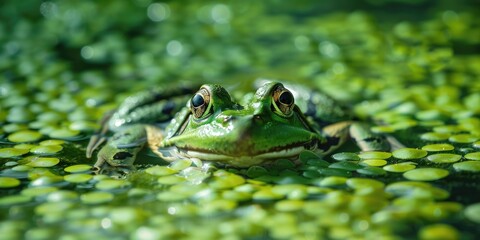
(65, 64)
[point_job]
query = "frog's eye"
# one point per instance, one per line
(201, 104)
(282, 101)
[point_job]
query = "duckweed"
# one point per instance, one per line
(96, 197)
(375, 155)
(440, 147)
(415, 189)
(38, 191)
(171, 196)
(226, 180)
(266, 194)
(170, 180)
(51, 142)
(434, 136)
(463, 138)
(109, 184)
(438, 231)
(346, 156)
(469, 166)
(24, 136)
(181, 164)
(289, 205)
(42, 162)
(24, 146)
(54, 93)
(409, 153)
(332, 181)
(425, 174)
(12, 152)
(472, 212)
(8, 182)
(371, 171)
(349, 166)
(62, 195)
(46, 149)
(444, 158)
(78, 177)
(399, 167)
(374, 162)
(78, 168)
(473, 156)
(160, 171)
(66, 134)
(14, 200)
(364, 183)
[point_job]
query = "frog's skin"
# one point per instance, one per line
(273, 123)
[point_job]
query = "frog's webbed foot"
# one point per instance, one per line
(98, 138)
(115, 161)
(119, 154)
(103, 166)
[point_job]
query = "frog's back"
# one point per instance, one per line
(323, 109)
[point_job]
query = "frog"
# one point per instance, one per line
(277, 121)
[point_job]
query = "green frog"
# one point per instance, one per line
(277, 121)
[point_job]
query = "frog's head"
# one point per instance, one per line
(269, 126)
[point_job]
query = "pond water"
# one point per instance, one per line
(409, 68)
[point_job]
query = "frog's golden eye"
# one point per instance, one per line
(201, 103)
(282, 101)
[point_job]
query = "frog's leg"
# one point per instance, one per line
(367, 140)
(119, 153)
(153, 106)
(336, 134)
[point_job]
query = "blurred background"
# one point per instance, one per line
(149, 42)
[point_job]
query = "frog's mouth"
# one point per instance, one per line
(245, 160)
